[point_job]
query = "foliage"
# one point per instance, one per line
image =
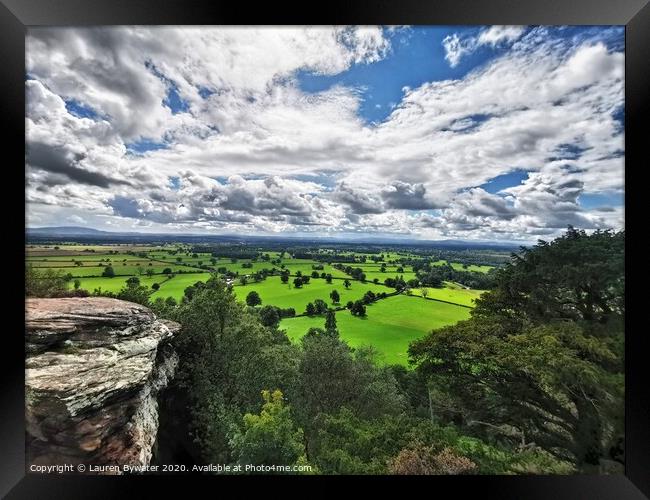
(269, 316)
(47, 283)
(270, 438)
(330, 322)
(226, 359)
(422, 460)
(541, 358)
(109, 272)
(134, 292)
(253, 299)
(358, 308)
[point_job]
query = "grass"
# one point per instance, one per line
(459, 267)
(176, 286)
(372, 273)
(391, 324)
(273, 291)
(122, 270)
(113, 284)
(456, 295)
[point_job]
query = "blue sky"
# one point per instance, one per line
(485, 132)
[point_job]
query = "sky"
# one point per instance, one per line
(506, 133)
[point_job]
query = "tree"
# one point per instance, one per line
(358, 308)
(330, 322)
(310, 309)
(226, 358)
(331, 376)
(297, 282)
(167, 270)
(543, 351)
(270, 438)
(253, 299)
(155, 286)
(347, 284)
(424, 292)
(109, 272)
(134, 292)
(77, 284)
(45, 283)
(269, 316)
(133, 281)
(284, 278)
(368, 297)
(328, 278)
(334, 295)
(314, 274)
(320, 305)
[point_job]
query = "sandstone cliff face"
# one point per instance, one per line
(94, 369)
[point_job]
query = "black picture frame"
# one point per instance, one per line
(17, 15)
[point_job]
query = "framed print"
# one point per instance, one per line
(383, 243)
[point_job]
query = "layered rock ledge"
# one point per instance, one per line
(94, 369)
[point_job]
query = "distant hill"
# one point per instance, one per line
(65, 231)
(86, 234)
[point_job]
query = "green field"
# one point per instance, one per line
(114, 284)
(272, 291)
(391, 324)
(456, 295)
(176, 286)
(173, 287)
(459, 267)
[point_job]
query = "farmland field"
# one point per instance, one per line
(459, 267)
(273, 291)
(391, 324)
(177, 285)
(457, 295)
(114, 284)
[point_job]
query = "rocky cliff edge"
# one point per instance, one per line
(94, 369)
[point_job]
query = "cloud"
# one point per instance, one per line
(405, 196)
(125, 73)
(358, 201)
(456, 47)
(496, 35)
(59, 160)
(253, 152)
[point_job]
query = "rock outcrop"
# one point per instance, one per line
(94, 369)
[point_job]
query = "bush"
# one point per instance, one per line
(109, 272)
(421, 460)
(253, 299)
(47, 283)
